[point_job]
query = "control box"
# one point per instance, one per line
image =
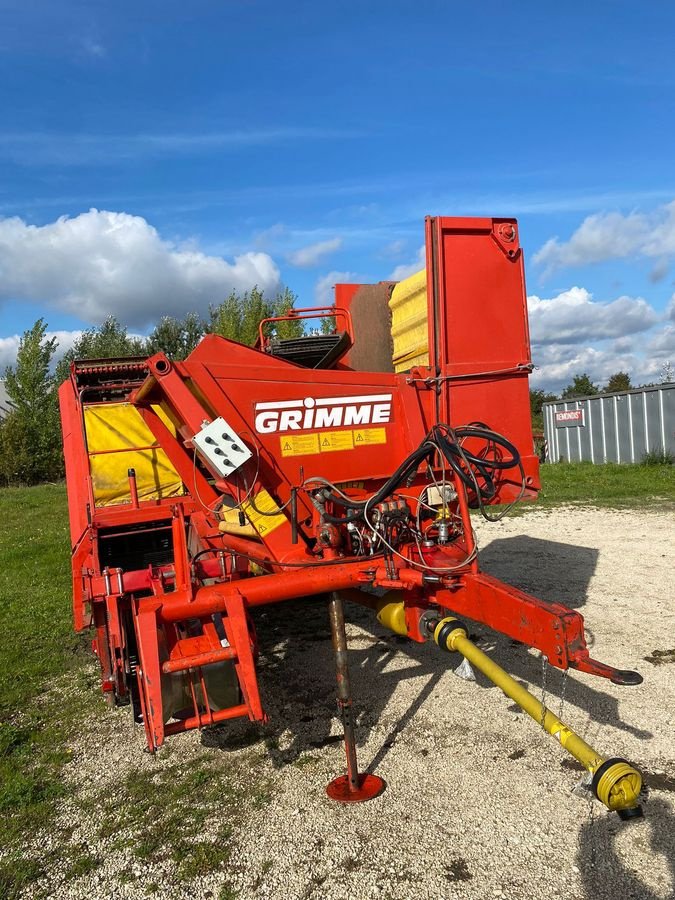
(221, 447)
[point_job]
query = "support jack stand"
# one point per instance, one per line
(354, 787)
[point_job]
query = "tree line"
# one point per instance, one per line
(580, 386)
(30, 435)
(583, 386)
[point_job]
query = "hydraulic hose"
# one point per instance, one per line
(468, 467)
(462, 461)
(357, 507)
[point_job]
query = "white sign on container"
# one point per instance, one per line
(567, 417)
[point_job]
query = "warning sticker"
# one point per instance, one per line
(261, 516)
(366, 436)
(299, 444)
(336, 440)
(328, 441)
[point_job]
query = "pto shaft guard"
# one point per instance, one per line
(615, 782)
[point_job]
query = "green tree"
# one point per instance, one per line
(175, 337)
(328, 325)
(537, 399)
(30, 440)
(254, 308)
(109, 340)
(581, 386)
(238, 317)
(225, 318)
(284, 305)
(620, 381)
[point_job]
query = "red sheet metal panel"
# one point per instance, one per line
(479, 340)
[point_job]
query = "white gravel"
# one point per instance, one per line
(479, 802)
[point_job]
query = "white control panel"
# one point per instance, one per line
(221, 446)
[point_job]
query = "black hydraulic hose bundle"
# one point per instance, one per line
(476, 471)
(467, 465)
(410, 464)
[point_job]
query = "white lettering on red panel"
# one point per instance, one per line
(322, 412)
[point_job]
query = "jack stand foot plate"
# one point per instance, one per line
(370, 786)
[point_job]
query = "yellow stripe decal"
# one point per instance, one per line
(260, 515)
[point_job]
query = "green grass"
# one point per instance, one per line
(155, 814)
(37, 641)
(606, 485)
(161, 813)
(37, 646)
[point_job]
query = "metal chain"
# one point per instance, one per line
(544, 669)
(562, 693)
(563, 687)
(592, 838)
(592, 835)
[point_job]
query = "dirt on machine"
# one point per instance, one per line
(343, 465)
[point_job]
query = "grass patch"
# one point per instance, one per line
(658, 457)
(16, 872)
(606, 485)
(37, 641)
(82, 862)
(37, 646)
(183, 812)
(163, 813)
(306, 760)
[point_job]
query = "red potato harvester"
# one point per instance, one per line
(334, 464)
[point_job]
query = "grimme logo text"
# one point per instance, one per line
(322, 412)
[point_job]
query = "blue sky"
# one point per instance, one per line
(221, 144)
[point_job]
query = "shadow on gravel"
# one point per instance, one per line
(296, 673)
(297, 669)
(559, 573)
(603, 873)
(559, 688)
(562, 574)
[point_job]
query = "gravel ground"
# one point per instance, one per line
(479, 800)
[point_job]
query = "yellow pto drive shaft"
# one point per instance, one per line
(615, 782)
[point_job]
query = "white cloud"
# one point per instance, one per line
(404, 271)
(56, 148)
(323, 289)
(269, 236)
(606, 236)
(557, 364)
(662, 344)
(659, 271)
(101, 263)
(623, 345)
(313, 254)
(9, 346)
(574, 316)
(572, 333)
(670, 312)
(393, 249)
(93, 47)
(66, 340)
